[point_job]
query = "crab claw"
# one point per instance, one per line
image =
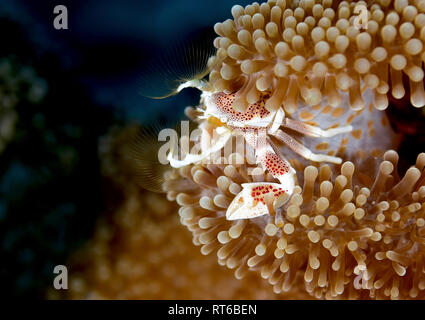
(257, 199)
(223, 136)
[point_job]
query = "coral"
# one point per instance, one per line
(18, 84)
(49, 181)
(143, 252)
(139, 249)
(321, 49)
(353, 230)
(349, 236)
(358, 235)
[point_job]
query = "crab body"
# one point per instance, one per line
(257, 125)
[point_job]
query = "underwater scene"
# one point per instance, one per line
(212, 150)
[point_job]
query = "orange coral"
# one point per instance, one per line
(142, 252)
(320, 49)
(349, 236)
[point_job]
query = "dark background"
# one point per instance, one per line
(51, 187)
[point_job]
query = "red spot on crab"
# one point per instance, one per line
(274, 164)
(224, 103)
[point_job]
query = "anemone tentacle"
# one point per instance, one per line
(348, 239)
(310, 50)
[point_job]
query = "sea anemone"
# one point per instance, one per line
(310, 50)
(143, 252)
(359, 234)
(139, 249)
(287, 104)
(352, 230)
(371, 132)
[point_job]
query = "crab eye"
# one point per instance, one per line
(215, 121)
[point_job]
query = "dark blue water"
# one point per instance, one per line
(109, 42)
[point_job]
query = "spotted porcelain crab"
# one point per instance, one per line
(256, 124)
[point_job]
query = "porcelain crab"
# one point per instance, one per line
(257, 125)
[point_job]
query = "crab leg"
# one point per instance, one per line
(313, 131)
(302, 150)
(224, 136)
